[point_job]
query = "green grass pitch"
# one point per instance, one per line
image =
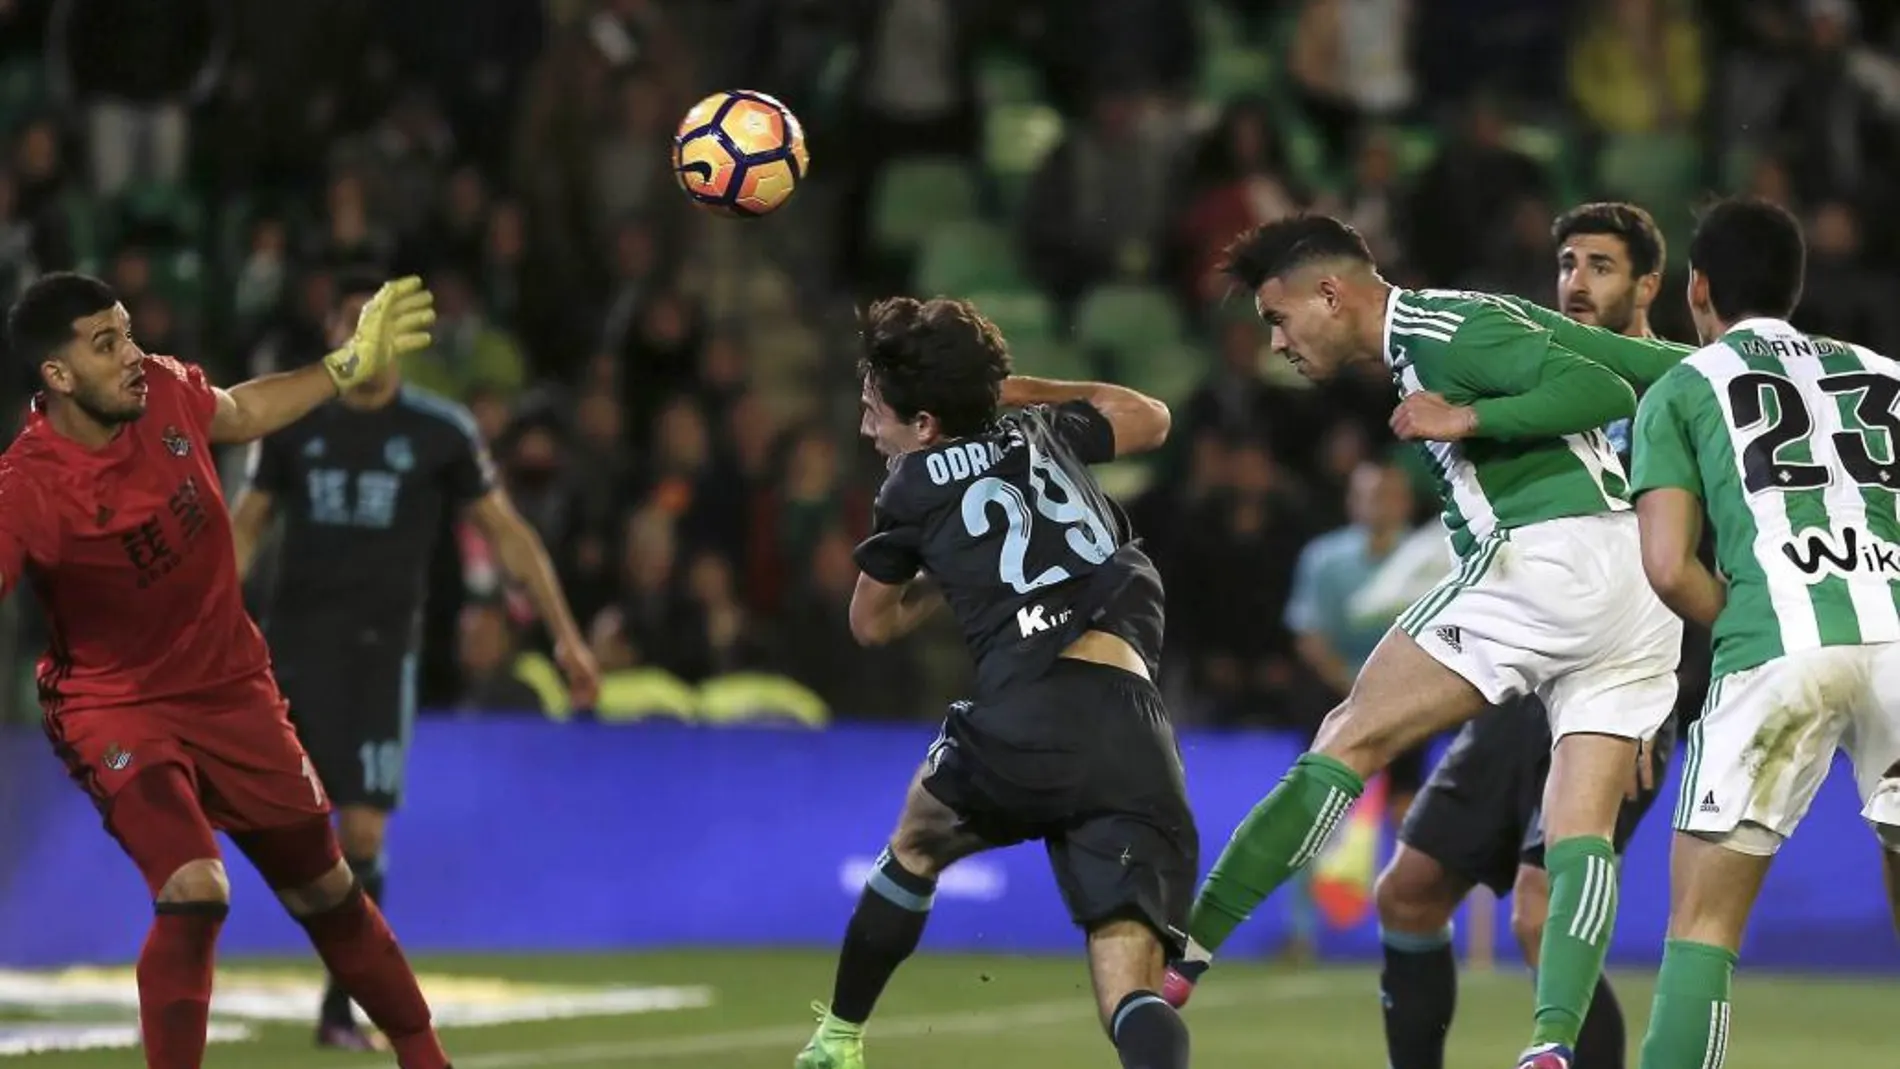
(953, 1012)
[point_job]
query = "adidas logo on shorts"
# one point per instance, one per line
(1449, 636)
(1708, 804)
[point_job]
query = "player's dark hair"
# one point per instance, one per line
(938, 356)
(1642, 239)
(40, 322)
(354, 283)
(1753, 255)
(1274, 249)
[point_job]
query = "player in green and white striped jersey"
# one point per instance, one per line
(1792, 443)
(1507, 401)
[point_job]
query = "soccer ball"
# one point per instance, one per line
(740, 153)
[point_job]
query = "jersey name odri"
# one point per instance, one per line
(1027, 549)
(129, 551)
(1470, 346)
(1793, 444)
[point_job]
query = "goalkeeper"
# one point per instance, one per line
(366, 489)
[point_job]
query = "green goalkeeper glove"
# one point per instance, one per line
(394, 322)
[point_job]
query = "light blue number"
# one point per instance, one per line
(977, 500)
(1088, 537)
(382, 766)
(1091, 540)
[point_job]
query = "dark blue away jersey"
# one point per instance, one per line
(1028, 550)
(364, 495)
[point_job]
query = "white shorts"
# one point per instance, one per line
(1559, 609)
(1768, 736)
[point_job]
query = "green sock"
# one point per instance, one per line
(1576, 935)
(1284, 832)
(1688, 1024)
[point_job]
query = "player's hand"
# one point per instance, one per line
(1644, 774)
(1426, 416)
(582, 672)
(394, 322)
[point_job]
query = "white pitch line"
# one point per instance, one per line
(980, 1022)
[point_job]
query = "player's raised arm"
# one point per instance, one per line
(1140, 422)
(1554, 393)
(394, 322)
(1638, 361)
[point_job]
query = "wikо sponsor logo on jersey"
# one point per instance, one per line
(1035, 619)
(1818, 553)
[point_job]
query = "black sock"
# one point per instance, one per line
(1602, 1044)
(1148, 1034)
(1419, 986)
(884, 929)
(336, 1002)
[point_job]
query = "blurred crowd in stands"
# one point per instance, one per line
(669, 395)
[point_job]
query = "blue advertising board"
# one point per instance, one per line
(519, 834)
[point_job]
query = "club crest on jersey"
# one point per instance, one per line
(116, 758)
(398, 454)
(176, 443)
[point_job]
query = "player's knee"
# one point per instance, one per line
(322, 894)
(1413, 894)
(203, 880)
(1352, 735)
(362, 830)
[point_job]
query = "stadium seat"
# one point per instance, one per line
(1128, 318)
(1660, 171)
(1649, 169)
(542, 677)
(1016, 139)
(167, 209)
(760, 698)
(914, 197)
(965, 257)
(1170, 374)
(22, 91)
(82, 226)
(1003, 77)
(1232, 71)
(1024, 316)
(1413, 148)
(637, 694)
(1050, 360)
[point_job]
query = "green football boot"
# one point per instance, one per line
(836, 1045)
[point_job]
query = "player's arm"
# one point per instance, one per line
(395, 321)
(1524, 385)
(1668, 488)
(882, 613)
(894, 596)
(1140, 422)
(1638, 361)
(519, 551)
(250, 518)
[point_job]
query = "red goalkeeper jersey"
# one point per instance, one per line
(129, 551)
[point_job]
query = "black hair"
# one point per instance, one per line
(1274, 249)
(354, 282)
(40, 323)
(1642, 239)
(1754, 257)
(939, 356)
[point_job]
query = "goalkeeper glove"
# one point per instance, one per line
(394, 322)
